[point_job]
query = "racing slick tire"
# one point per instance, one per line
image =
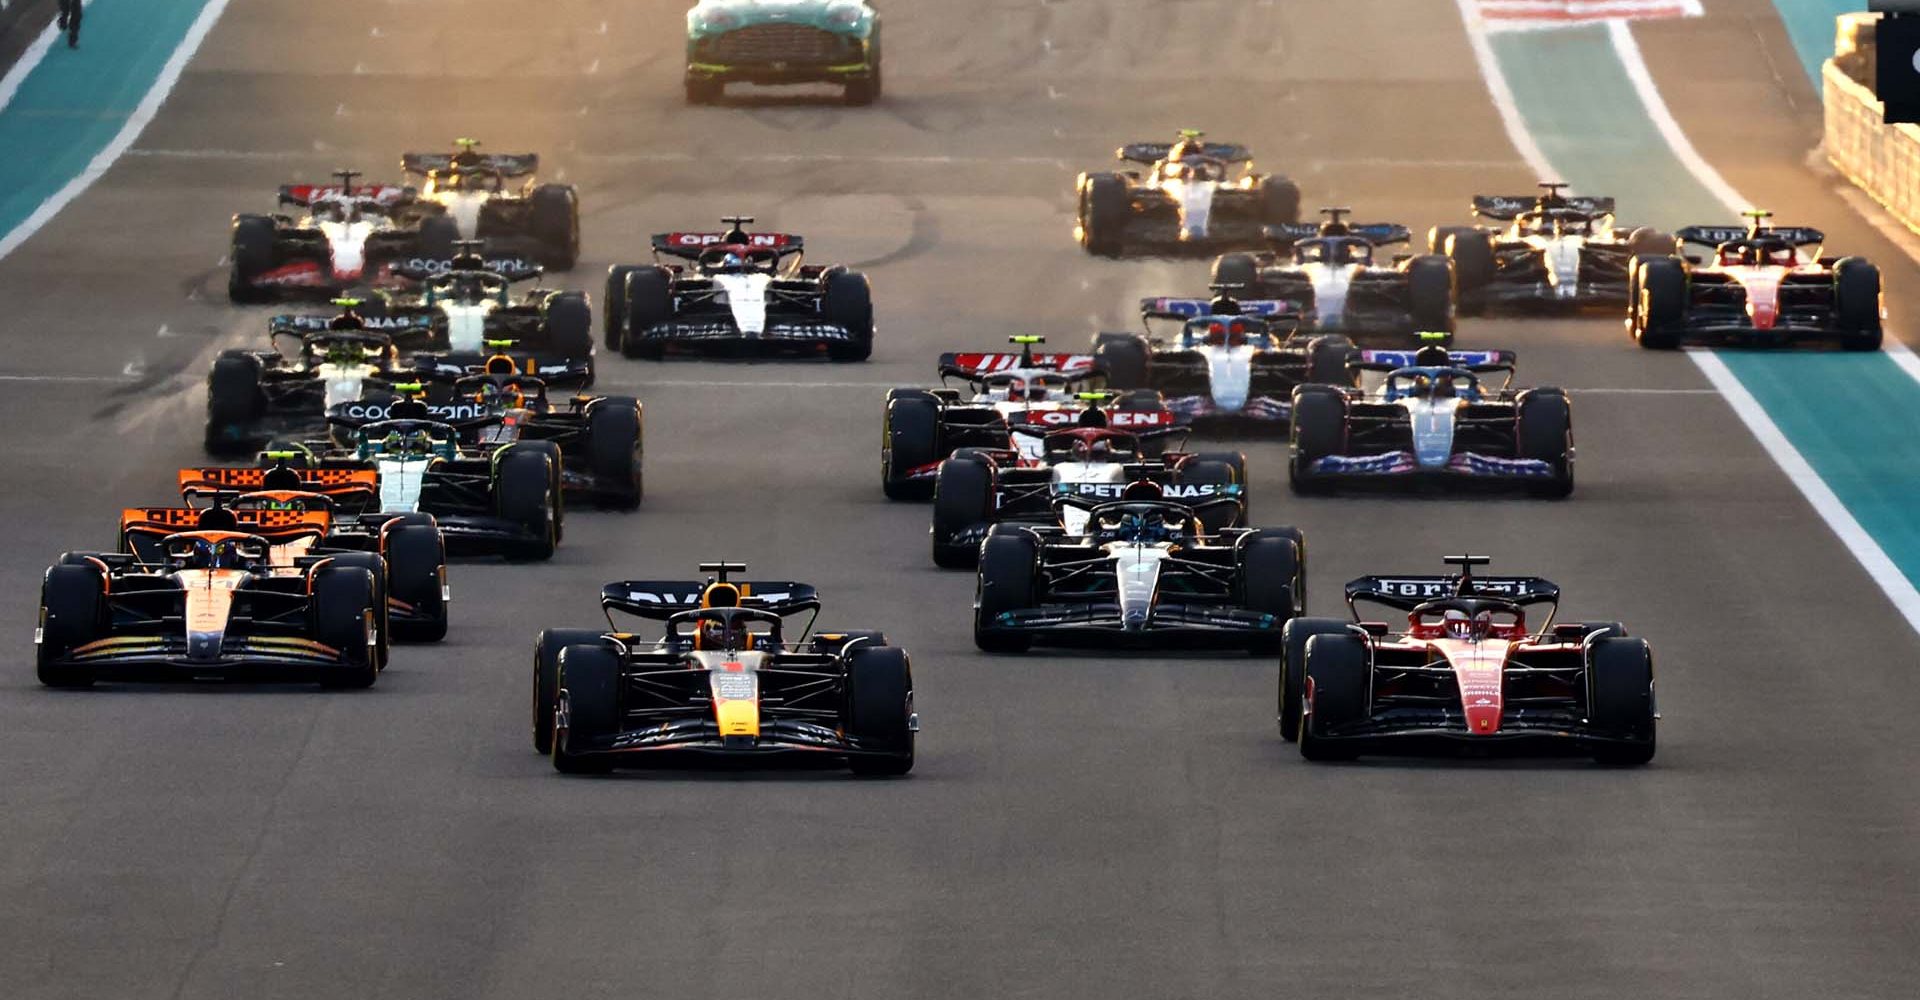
(343, 599)
(1105, 205)
(1319, 430)
(1648, 240)
(1471, 252)
(646, 301)
(912, 436)
(1856, 304)
(590, 680)
(234, 402)
(614, 451)
(1279, 201)
(568, 324)
(1607, 630)
(880, 710)
(704, 90)
(1268, 564)
(553, 215)
(546, 677)
(524, 494)
(377, 568)
(1327, 359)
(72, 615)
(1237, 273)
(1544, 426)
(834, 642)
(251, 256)
(1336, 669)
(613, 311)
(438, 234)
(1659, 307)
(849, 305)
(1125, 358)
(1293, 668)
(1004, 583)
(416, 557)
(1620, 672)
(1430, 293)
(962, 499)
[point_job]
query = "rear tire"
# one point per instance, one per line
(1622, 689)
(880, 710)
(1471, 252)
(1125, 358)
(1293, 668)
(1430, 294)
(1327, 359)
(569, 327)
(234, 402)
(1105, 204)
(1546, 433)
(72, 599)
(555, 221)
(251, 256)
(1279, 201)
(1856, 304)
(343, 599)
(1237, 274)
(1319, 430)
(912, 435)
(546, 677)
(962, 499)
(614, 451)
(438, 234)
(849, 305)
(1337, 673)
(1269, 570)
(590, 682)
(1005, 583)
(524, 494)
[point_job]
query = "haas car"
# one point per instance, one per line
(1138, 570)
(1765, 285)
(334, 512)
(1194, 196)
(208, 603)
(1431, 421)
(726, 679)
(924, 426)
(466, 306)
(737, 293)
(1331, 276)
(1466, 672)
(475, 191)
(1092, 453)
(254, 396)
(1556, 250)
(1232, 363)
(348, 236)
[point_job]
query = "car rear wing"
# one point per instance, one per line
(504, 164)
(975, 366)
(689, 246)
(510, 268)
(1404, 593)
(1379, 234)
(306, 195)
(1172, 308)
(1090, 495)
(1507, 207)
(269, 524)
(1139, 423)
(659, 600)
(1713, 236)
(1473, 361)
(247, 479)
(1153, 152)
(305, 324)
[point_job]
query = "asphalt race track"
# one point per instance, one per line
(1077, 825)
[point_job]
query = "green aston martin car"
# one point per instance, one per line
(783, 41)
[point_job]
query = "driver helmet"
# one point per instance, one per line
(1460, 625)
(407, 408)
(215, 553)
(732, 259)
(280, 478)
(1143, 489)
(1432, 355)
(468, 262)
(349, 319)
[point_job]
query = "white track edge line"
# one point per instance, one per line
(136, 123)
(1635, 64)
(30, 57)
(1501, 93)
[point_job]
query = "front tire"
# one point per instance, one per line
(73, 613)
(590, 686)
(848, 304)
(912, 434)
(1005, 582)
(1293, 668)
(343, 612)
(879, 712)
(1545, 430)
(546, 677)
(1621, 679)
(1337, 679)
(614, 451)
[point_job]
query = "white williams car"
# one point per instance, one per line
(1557, 250)
(1194, 196)
(1334, 278)
(477, 193)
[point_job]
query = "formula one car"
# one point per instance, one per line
(470, 187)
(738, 293)
(216, 606)
(1330, 275)
(794, 41)
(321, 512)
(1557, 250)
(1432, 422)
(1765, 285)
(1140, 570)
(924, 426)
(503, 500)
(253, 396)
(1095, 453)
(347, 237)
(1233, 362)
(1467, 673)
(726, 679)
(1190, 200)
(466, 304)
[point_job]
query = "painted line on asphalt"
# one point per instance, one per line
(136, 123)
(1502, 94)
(1620, 33)
(35, 51)
(65, 378)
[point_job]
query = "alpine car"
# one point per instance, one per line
(924, 426)
(726, 679)
(347, 237)
(1094, 453)
(472, 189)
(1765, 285)
(1139, 570)
(1467, 673)
(1195, 196)
(737, 293)
(318, 513)
(1233, 363)
(1557, 250)
(253, 395)
(1430, 421)
(783, 42)
(1332, 278)
(466, 303)
(214, 605)
(503, 500)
